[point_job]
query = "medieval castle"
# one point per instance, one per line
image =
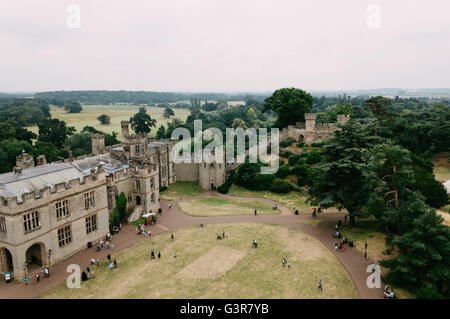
(48, 212)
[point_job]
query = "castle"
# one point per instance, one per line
(311, 132)
(50, 211)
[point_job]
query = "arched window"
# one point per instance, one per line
(138, 185)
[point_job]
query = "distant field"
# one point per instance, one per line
(117, 113)
(442, 166)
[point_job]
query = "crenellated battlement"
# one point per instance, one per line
(50, 192)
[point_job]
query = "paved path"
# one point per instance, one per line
(173, 218)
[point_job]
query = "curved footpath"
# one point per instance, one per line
(174, 218)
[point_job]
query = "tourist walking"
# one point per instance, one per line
(152, 254)
(283, 261)
(159, 254)
(320, 285)
(171, 236)
(255, 212)
(115, 263)
(38, 277)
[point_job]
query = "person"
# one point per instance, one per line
(92, 261)
(101, 244)
(98, 246)
(283, 261)
(343, 247)
(149, 233)
(336, 246)
(109, 258)
(97, 262)
(152, 253)
(254, 244)
(289, 265)
(112, 246)
(159, 254)
(314, 212)
(110, 266)
(171, 236)
(84, 276)
(170, 205)
(92, 274)
(38, 277)
(320, 285)
(107, 245)
(115, 263)
(255, 212)
(223, 234)
(201, 226)
(336, 227)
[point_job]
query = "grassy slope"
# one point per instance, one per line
(258, 274)
(219, 206)
(180, 190)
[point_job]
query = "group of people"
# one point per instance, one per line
(285, 262)
(152, 254)
(108, 243)
(142, 229)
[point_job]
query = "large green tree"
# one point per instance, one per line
(141, 122)
(54, 131)
(379, 106)
(341, 178)
(290, 104)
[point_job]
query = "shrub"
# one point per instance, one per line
(283, 172)
(280, 186)
(162, 189)
(293, 159)
(285, 143)
(300, 144)
(314, 157)
(115, 218)
(285, 153)
(317, 144)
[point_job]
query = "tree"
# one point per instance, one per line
(104, 119)
(51, 152)
(424, 261)
(141, 122)
(73, 107)
(340, 179)
(379, 107)
(121, 205)
(338, 109)
(54, 131)
(239, 123)
(290, 104)
(161, 133)
(168, 112)
(251, 116)
(6, 131)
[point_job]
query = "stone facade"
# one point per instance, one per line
(311, 132)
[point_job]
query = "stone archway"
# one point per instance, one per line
(35, 256)
(6, 261)
(138, 200)
(301, 138)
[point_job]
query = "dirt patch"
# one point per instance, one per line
(216, 262)
(302, 246)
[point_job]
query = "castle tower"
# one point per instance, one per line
(98, 144)
(125, 128)
(310, 127)
(24, 160)
(343, 118)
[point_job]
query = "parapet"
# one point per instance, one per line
(310, 116)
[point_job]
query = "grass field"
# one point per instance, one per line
(209, 268)
(117, 113)
(181, 190)
(441, 169)
(290, 200)
(220, 206)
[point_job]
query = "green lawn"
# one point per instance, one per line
(181, 190)
(209, 268)
(290, 200)
(117, 113)
(220, 206)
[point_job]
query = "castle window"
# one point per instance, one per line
(62, 209)
(138, 185)
(91, 224)
(152, 182)
(64, 236)
(89, 199)
(31, 221)
(129, 198)
(137, 149)
(2, 225)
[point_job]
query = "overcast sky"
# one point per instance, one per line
(224, 45)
